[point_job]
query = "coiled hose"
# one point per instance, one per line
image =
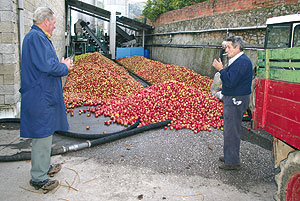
(98, 139)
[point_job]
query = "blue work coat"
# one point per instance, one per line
(42, 104)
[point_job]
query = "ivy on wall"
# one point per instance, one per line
(154, 8)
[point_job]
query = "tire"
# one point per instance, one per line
(288, 179)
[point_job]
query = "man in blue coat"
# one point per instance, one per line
(236, 90)
(42, 104)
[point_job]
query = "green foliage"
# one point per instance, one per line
(154, 8)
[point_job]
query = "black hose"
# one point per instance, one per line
(22, 156)
(26, 155)
(129, 133)
(134, 75)
(95, 136)
(10, 120)
(118, 135)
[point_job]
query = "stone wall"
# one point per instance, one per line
(215, 7)
(10, 48)
(181, 37)
(58, 7)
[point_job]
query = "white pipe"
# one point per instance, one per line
(112, 34)
(209, 30)
(21, 37)
(21, 24)
(143, 38)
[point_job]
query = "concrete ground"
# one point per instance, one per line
(154, 165)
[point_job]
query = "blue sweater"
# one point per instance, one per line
(237, 77)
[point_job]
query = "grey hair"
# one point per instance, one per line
(236, 40)
(41, 14)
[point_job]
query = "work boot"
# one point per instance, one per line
(221, 158)
(55, 168)
(46, 185)
(229, 167)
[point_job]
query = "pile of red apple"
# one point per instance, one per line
(186, 106)
(157, 72)
(178, 94)
(96, 78)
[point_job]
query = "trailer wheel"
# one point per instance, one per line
(288, 179)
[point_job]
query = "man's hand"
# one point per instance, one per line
(218, 64)
(68, 62)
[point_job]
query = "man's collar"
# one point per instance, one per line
(234, 58)
(47, 34)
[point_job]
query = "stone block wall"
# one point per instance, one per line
(10, 47)
(238, 19)
(206, 25)
(215, 7)
(58, 7)
(9, 57)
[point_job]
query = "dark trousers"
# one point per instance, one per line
(234, 108)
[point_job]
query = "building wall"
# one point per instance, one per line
(175, 30)
(215, 7)
(10, 48)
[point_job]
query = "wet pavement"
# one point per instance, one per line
(153, 165)
(184, 153)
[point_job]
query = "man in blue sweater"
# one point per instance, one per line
(236, 90)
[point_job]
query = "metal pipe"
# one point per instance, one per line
(208, 30)
(112, 34)
(199, 46)
(21, 37)
(143, 38)
(170, 40)
(76, 147)
(21, 24)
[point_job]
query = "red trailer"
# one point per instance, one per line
(277, 100)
